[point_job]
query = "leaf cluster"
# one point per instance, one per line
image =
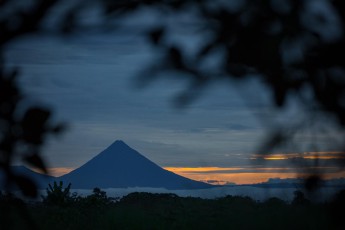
(57, 195)
(23, 128)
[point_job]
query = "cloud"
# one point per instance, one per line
(249, 169)
(59, 171)
(251, 174)
(331, 155)
(218, 182)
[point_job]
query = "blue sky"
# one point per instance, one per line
(88, 80)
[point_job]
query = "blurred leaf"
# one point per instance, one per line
(26, 185)
(313, 182)
(3, 2)
(273, 140)
(6, 146)
(34, 124)
(69, 22)
(36, 161)
(14, 73)
(156, 35)
(206, 49)
(58, 129)
(9, 94)
(176, 58)
(280, 95)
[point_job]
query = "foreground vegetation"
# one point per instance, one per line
(62, 210)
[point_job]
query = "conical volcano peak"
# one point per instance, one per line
(120, 166)
(119, 143)
(118, 147)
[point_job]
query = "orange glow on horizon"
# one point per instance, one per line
(322, 157)
(200, 174)
(201, 169)
(250, 174)
(59, 171)
(306, 155)
(217, 174)
(276, 158)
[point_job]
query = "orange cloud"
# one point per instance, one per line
(241, 175)
(59, 171)
(200, 169)
(306, 155)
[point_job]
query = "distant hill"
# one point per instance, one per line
(120, 166)
(41, 180)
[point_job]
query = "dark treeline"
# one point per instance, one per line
(168, 211)
(60, 209)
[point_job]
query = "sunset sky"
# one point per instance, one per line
(248, 174)
(88, 80)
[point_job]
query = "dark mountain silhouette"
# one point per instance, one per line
(120, 166)
(41, 180)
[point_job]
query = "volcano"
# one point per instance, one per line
(120, 166)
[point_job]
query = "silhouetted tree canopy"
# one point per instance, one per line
(57, 195)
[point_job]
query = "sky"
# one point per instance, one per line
(89, 81)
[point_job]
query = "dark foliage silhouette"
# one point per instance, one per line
(14, 213)
(299, 199)
(169, 211)
(22, 133)
(147, 198)
(57, 195)
(22, 130)
(337, 209)
(274, 202)
(98, 199)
